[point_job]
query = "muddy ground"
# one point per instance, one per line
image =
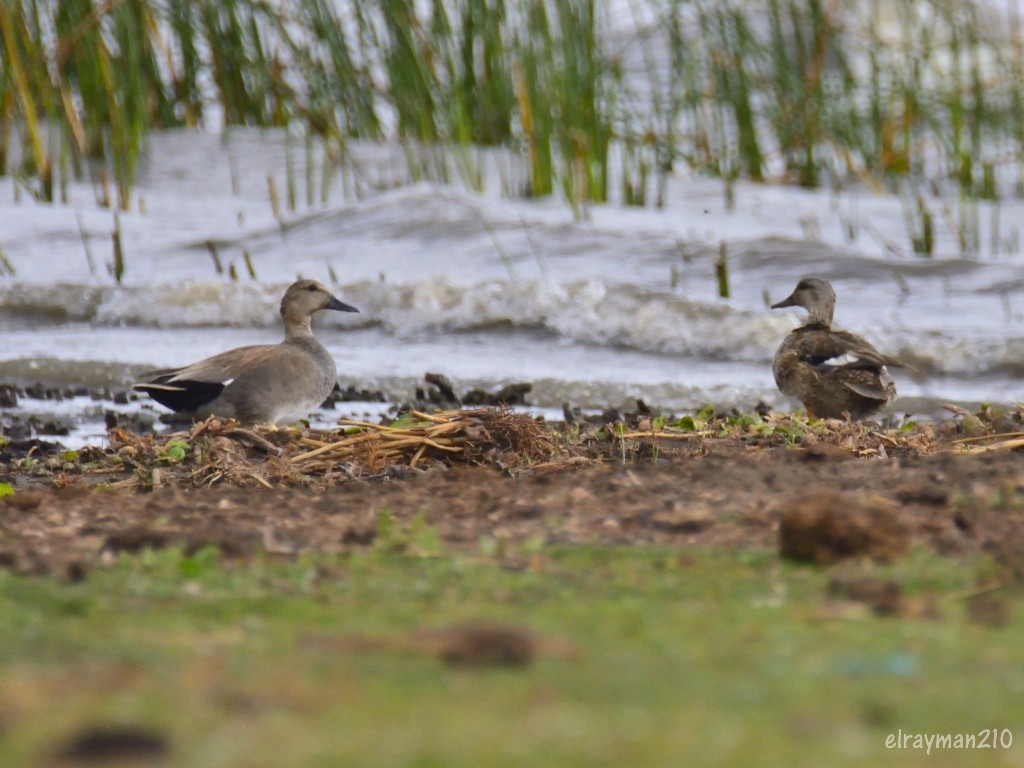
(829, 496)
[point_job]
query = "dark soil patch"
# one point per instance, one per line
(989, 610)
(825, 527)
(112, 745)
(487, 645)
(884, 596)
(736, 498)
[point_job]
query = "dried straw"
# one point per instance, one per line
(474, 436)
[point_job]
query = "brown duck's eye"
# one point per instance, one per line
(311, 288)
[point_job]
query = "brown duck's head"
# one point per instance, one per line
(816, 296)
(304, 297)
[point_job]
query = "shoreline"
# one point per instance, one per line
(76, 416)
(853, 491)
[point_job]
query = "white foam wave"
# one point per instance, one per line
(588, 312)
(61, 302)
(585, 311)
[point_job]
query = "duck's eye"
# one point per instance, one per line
(310, 288)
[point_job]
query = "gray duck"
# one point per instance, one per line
(835, 374)
(260, 384)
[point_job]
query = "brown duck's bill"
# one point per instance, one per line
(340, 306)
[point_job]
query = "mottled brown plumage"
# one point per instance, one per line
(834, 374)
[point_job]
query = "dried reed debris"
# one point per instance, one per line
(215, 451)
(482, 436)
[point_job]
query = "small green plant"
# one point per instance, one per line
(409, 421)
(5, 264)
(418, 539)
(117, 266)
(792, 434)
(690, 424)
(247, 258)
(174, 452)
(205, 561)
(722, 271)
(743, 420)
(385, 529)
(619, 430)
(424, 540)
(6, 489)
(698, 421)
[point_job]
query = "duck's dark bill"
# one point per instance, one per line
(341, 306)
(786, 302)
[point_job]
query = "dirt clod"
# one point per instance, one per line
(884, 596)
(25, 501)
(103, 745)
(487, 645)
(1007, 548)
(137, 538)
(683, 518)
(989, 610)
(826, 527)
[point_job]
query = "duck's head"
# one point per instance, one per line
(304, 297)
(816, 296)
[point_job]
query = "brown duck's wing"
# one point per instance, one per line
(871, 383)
(191, 388)
(863, 349)
(219, 369)
(823, 347)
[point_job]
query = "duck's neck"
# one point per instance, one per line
(820, 314)
(297, 328)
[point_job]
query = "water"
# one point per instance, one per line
(492, 291)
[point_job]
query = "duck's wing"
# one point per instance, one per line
(872, 383)
(191, 387)
(865, 352)
(826, 349)
(850, 361)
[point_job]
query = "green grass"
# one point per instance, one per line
(649, 658)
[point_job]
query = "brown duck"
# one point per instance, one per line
(262, 384)
(835, 374)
